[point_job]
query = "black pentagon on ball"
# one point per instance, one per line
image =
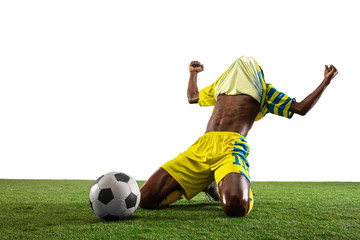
(111, 218)
(131, 200)
(122, 177)
(105, 195)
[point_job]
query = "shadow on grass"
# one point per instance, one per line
(183, 211)
(191, 206)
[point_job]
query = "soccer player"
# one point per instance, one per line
(240, 96)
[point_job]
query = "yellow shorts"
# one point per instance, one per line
(212, 156)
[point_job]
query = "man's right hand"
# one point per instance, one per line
(330, 73)
(196, 66)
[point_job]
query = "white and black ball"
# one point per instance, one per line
(114, 196)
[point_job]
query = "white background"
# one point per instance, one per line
(88, 87)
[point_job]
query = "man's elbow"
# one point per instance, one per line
(299, 108)
(193, 101)
(302, 112)
(193, 98)
(304, 109)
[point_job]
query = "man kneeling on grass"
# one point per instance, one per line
(240, 96)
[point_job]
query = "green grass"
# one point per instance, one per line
(59, 209)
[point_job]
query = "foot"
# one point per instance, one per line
(211, 192)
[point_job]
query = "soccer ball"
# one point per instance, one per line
(114, 196)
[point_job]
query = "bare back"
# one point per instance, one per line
(233, 113)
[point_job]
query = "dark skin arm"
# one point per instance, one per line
(305, 105)
(193, 92)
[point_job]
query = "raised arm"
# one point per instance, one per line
(193, 92)
(305, 105)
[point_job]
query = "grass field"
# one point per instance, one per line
(59, 209)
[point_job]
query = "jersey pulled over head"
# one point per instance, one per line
(245, 76)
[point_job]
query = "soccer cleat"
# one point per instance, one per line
(211, 192)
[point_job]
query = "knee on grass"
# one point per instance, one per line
(235, 206)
